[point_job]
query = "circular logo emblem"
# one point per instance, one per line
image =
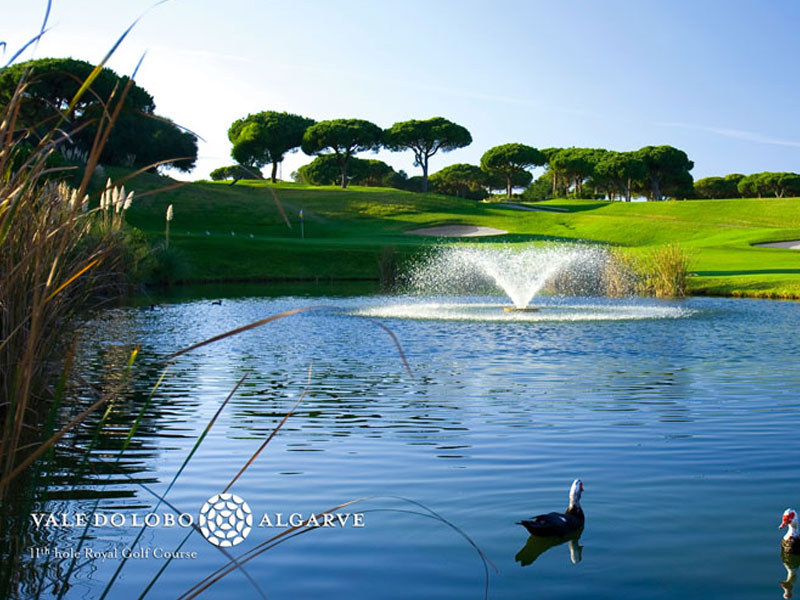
(225, 520)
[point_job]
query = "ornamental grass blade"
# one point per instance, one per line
(99, 68)
(291, 532)
(244, 328)
(242, 470)
(54, 439)
(71, 279)
(271, 435)
(180, 470)
(242, 559)
(25, 46)
(194, 527)
(280, 207)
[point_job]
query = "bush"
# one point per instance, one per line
(235, 172)
(718, 187)
(540, 190)
(324, 170)
(169, 266)
(462, 180)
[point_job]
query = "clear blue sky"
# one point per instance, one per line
(716, 78)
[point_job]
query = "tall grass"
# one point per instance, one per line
(666, 271)
(54, 255)
(662, 272)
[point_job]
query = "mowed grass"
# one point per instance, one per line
(239, 232)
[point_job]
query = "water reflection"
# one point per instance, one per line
(537, 545)
(791, 562)
(659, 410)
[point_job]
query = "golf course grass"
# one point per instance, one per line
(252, 231)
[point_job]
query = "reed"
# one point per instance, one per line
(665, 271)
(56, 257)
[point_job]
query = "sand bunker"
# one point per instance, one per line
(458, 231)
(790, 245)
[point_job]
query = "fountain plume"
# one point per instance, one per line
(521, 273)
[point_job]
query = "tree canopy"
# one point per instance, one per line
(325, 170)
(510, 160)
(718, 187)
(573, 166)
(495, 181)
(139, 137)
(667, 172)
(343, 138)
(265, 137)
(617, 172)
(462, 180)
(541, 189)
(770, 184)
(426, 138)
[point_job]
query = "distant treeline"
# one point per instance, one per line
(143, 139)
(652, 172)
(656, 172)
(758, 185)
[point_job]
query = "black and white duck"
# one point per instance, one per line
(559, 524)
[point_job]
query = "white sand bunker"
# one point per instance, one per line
(457, 231)
(790, 245)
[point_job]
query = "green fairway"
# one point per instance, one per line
(239, 232)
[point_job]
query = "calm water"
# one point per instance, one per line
(681, 419)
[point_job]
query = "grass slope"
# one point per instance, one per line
(239, 232)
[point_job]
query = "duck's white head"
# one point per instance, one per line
(575, 493)
(790, 520)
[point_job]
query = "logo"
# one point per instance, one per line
(225, 520)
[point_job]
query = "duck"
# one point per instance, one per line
(217, 303)
(559, 524)
(790, 543)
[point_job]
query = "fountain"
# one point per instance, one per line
(568, 282)
(519, 273)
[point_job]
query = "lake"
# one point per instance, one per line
(681, 418)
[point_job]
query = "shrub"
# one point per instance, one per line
(169, 266)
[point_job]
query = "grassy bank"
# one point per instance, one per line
(239, 232)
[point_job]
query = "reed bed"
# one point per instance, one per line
(55, 256)
(58, 256)
(663, 272)
(667, 271)
(61, 252)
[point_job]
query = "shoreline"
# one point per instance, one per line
(328, 281)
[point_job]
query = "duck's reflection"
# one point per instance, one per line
(791, 562)
(537, 545)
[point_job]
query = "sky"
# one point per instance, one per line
(716, 78)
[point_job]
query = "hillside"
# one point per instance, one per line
(239, 232)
